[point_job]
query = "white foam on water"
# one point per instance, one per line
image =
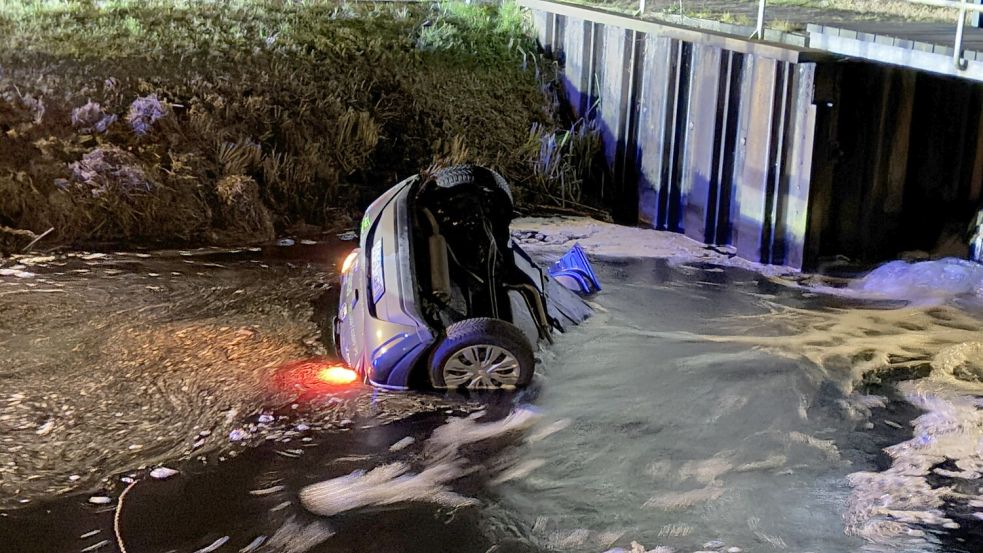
(443, 463)
(845, 345)
(893, 503)
(678, 501)
(922, 282)
(385, 485)
(296, 537)
(458, 432)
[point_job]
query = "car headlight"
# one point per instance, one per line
(346, 265)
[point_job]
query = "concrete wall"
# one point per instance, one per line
(704, 134)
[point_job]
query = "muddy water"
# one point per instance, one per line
(700, 409)
(112, 361)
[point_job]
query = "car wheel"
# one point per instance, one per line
(456, 175)
(482, 354)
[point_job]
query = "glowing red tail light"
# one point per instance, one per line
(337, 375)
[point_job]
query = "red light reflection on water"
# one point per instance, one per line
(315, 376)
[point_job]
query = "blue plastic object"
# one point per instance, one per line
(573, 271)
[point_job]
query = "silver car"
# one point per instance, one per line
(438, 294)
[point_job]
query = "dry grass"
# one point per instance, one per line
(874, 9)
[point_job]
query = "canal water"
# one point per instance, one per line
(701, 408)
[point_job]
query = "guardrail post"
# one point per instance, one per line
(759, 30)
(957, 48)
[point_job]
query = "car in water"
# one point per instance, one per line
(438, 294)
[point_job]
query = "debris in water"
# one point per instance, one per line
(265, 418)
(267, 491)
(215, 545)
(161, 473)
(254, 545)
(16, 273)
(89, 534)
(238, 435)
(45, 428)
(892, 424)
(285, 242)
(100, 500)
(347, 236)
(402, 444)
(288, 453)
(308, 242)
(96, 546)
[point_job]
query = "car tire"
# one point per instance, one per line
(482, 354)
(457, 175)
(335, 337)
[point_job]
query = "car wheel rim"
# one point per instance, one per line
(481, 366)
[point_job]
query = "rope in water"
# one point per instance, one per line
(116, 516)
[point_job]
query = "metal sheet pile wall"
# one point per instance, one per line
(705, 134)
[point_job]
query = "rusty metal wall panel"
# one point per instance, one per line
(717, 142)
(613, 80)
(658, 65)
(753, 158)
(701, 129)
(677, 115)
(798, 169)
(576, 62)
(726, 139)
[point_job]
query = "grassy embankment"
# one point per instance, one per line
(215, 122)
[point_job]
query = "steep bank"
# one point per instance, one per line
(208, 122)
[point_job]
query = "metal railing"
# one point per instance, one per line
(962, 6)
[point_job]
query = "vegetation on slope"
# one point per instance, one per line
(212, 121)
